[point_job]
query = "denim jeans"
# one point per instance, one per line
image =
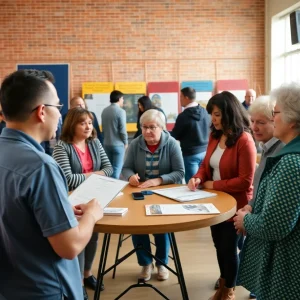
(225, 241)
(115, 155)
(162, 243)
(192, 164)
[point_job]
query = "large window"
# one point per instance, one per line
(285, 56)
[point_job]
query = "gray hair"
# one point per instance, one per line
(153, 115)
(262, 105)
(288, 98)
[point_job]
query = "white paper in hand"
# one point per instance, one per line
(103, 188)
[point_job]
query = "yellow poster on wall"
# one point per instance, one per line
(131, 87)
(97, 88)
(96, 96)
(132, 92)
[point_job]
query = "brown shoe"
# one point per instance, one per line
(219, 292)
(228, 294)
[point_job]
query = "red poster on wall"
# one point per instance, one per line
(165, 95)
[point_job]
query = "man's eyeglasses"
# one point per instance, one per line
(275, 112)
(58, 106)
(151, 128)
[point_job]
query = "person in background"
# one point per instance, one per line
(192, 130)
(271, 253)
(154, 158)
(49, 145)
(144, 103)
(40, 236)
(80, 154)
(2, 122)
(228, 166)
(114, 130)
(249, 98)
(77, 101)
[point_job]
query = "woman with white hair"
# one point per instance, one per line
(271, 254)
(262, 126)
(154, 158)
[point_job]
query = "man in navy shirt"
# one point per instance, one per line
(40, 236)
(192, 130)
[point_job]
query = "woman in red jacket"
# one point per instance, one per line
(229, 167)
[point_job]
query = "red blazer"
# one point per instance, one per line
(237, 166)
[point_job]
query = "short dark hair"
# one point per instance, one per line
(115, 96)
(235, 119)
(73, 117)
(21, 91)
(189, 92)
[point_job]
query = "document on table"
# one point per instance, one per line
(103, 188)
(183, 194)
(181, 209)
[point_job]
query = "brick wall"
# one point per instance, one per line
(137, 40)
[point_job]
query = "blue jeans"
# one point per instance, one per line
(115, 155)
(162, 243)
(192, 164)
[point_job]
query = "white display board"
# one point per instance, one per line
(96, 103)
(168, 102)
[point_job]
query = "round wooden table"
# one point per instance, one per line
(136, 222)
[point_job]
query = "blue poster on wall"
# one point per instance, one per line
(61, 75)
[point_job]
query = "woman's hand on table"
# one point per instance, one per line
(151, 182)
(194, 183)
(134, 180)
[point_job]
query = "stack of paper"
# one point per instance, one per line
(115, 211)
(181, 209)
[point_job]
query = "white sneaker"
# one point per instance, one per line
(162, 273)
(146, 272)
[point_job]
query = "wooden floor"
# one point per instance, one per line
(198, 261)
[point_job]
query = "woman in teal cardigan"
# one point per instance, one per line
(270, 258)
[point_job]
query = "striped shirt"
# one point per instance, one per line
(152, 168)
(68, 159)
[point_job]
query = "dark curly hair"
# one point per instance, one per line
(235, 119)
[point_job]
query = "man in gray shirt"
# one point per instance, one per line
(114, 130)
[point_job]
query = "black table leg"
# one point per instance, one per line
(178, 267)
(117, 253)
(103, 259)
(102, 263)
(175, 261)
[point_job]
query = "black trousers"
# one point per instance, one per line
(226, 240)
